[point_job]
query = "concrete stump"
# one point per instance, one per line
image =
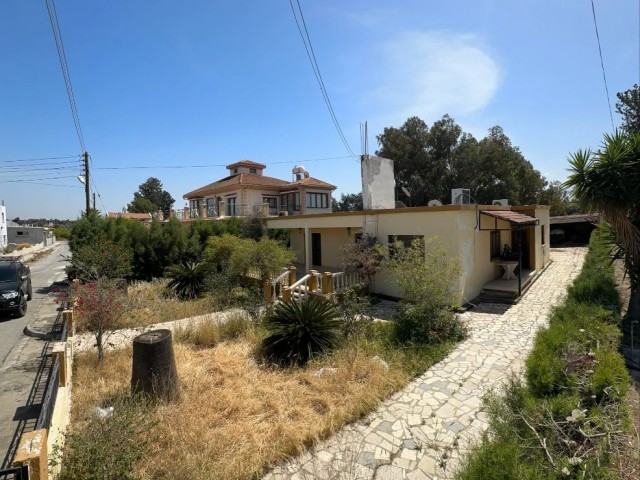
(154, 367)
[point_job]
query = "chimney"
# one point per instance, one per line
(378, 182)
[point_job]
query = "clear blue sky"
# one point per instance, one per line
(201, 82)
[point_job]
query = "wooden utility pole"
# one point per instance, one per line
(86, 182)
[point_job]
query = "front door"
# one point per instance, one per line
(316, 249)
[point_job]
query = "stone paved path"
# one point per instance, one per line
(421, 431)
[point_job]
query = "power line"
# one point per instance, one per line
(52, 184)
(604, 76)
(35, 179)
(95, 187)
(19, 171)
(62, 57)
(316, 71)
(180, 167)
(39, 159)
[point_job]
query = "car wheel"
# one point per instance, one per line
(22, 309)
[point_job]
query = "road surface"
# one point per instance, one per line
(23, 359)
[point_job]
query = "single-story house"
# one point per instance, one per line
(246, 190)
(574, 228)
(142, 217)
(17, 234)
(476, 234)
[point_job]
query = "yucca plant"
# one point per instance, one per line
(299, 329)
(187, 279)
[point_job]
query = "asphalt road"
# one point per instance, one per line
(44, 273)
(25, 361)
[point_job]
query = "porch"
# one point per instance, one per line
(506, 291)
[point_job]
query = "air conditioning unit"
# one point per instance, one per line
(502, 202)
(460, 196)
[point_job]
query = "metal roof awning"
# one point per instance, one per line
(516, 220)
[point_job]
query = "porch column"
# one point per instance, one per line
(307, 250)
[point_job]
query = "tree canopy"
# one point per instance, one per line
(628, 107)
(151, 197)
(349, 202)
(431, 160)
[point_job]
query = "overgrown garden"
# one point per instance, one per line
(568, 420)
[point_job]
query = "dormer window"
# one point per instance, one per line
(235, 170)
(253, 170)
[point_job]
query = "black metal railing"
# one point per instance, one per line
(51, 393)
(15, 473)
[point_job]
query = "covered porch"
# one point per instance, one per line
(517, 261)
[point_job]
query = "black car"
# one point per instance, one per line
(15, 287)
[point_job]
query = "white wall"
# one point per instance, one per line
(3, 227)
(378, 183)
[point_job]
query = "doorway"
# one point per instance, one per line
(524, 235)
(316, 249)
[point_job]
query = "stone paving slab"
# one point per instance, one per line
(421, 432)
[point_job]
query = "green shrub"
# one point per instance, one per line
(427, 324)
(297, 330)
(596, 283)
(188, 278)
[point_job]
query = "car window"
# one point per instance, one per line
(7, 274)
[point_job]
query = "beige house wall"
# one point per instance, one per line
(457, 227)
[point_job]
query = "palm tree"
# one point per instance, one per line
(188, 278)
(608, 181)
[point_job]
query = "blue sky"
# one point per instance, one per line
(188, 83)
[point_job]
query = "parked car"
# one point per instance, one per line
(15, 287)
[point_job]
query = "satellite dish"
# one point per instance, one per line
(434, 203)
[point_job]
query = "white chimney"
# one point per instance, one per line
(378, 182)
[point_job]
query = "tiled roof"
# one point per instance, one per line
(247, 163)
(135, 216)
(238, 179)
(311, 182)
(514, 218)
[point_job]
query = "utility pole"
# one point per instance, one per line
(86, 180)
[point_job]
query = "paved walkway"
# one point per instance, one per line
(421, 431)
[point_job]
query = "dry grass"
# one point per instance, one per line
(237, 417)
(151, 302)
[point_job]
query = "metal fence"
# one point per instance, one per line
(15, 473)
(51, 393)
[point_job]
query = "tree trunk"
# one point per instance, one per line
(154, 368)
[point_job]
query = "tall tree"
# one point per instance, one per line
(349, 202)
(606, 181)
(628, 107)
(430, 161)
(151, 193)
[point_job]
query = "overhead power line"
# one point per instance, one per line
(39, 159)
(62, 57)
(95, 187)
(604, 75)
(306, 40)
(180, 167)
(35, 179)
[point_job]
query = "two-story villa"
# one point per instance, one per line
(248, 191)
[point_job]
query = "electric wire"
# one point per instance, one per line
(52, 184)
(95, 187)
(316, 71)
(32, 165)
(35, 179)
(39, 159)
(604, 75)
(180, 167)
(62, 57)
(19, 171)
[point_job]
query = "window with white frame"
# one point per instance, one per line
(317, 200)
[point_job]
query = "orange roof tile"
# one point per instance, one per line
(514, 218)
(237, 179)
(247, 163)
(135, 216)
(311, 182)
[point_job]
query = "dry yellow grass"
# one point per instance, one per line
(236, 417)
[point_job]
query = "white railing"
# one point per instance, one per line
(279, 283)
(300, 289)
(341, 280)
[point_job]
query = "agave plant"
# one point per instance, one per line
(187, 279)
(300, 329)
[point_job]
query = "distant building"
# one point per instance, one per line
(246, 190)
(142, 217)
(19, 234)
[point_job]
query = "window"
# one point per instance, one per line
(253, 170)
(22, 233)
(317, 200)
(231, 207)
(235, 170)
(272, 201)
(290, 202)
(495, 243)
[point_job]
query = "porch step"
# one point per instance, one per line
(496, 296)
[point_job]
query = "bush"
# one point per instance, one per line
(427, 324)
(298, 330)
(188, 278)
